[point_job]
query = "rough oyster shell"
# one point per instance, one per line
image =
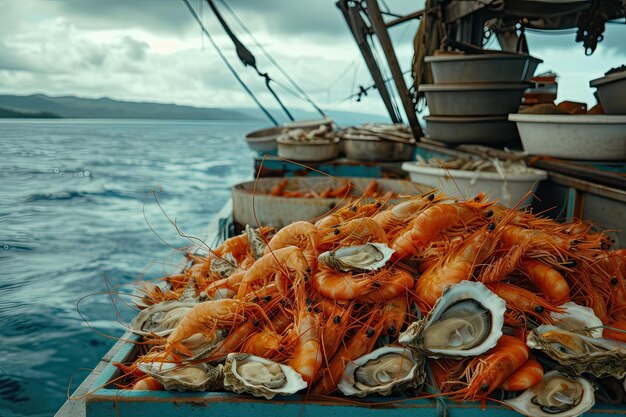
(161, 318)
(556, 395)
(223, 266)
(578, 354)
(186, 377)
(578, 319)
(260, 377)
(256, 242)
(466, 321)
(368, 257)
(383, 371)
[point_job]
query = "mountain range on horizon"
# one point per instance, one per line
(44, 106)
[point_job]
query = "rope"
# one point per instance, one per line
(247, 57)
(232, 70)
(273, 61)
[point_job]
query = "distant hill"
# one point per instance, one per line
(75, 107)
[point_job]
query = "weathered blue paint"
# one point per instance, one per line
(105, 401)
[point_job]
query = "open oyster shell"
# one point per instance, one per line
(368, 257)
(578, 354)
(556, 395)
(382, 372)
(260, 377)
(160, 319)
(466, 321)
(578, 319)
(186, 377)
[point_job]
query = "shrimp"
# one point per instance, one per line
(454, 268)
(487, 372)
(334, 330)
(616, 331)
(524, 301)
(278, 189)
(429, 224)
(266, 344)
(307, 356)
(358, 231)
(361, 343)
(206, 318)
(397, 216)
(389, 283)
(281, 265)
(237, 246)
(394, 312)
(301, 234)
(526, 376)
(349, 212)
(547, 279)
(147, 384)
(340, 285)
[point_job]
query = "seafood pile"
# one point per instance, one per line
(341, 191)
(464, 299)
(323, 133)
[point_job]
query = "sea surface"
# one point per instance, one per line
(72, 199)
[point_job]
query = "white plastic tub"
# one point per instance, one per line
(612, 92)
(264, 140)
(590, 137)
(508, 191)
(311, 151)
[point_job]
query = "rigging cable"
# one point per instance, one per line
(295, 85)
(230, 67)
(246, 57)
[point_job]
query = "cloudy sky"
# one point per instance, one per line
(152, 50)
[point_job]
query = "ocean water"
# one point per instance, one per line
(72, 202)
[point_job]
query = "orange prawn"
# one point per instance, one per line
(526, 376)
(394, 312)
(524, 301)
(547, 279)
(280, 265)
(615, 330)
(341, 285)
(487, 372)
(303, 235)
(434, 220)
(358, 345)
(454, 268)
(307, 355)
(389, 283)
(357, 231)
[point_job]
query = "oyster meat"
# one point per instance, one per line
(578, 354)
(256, 242)
(466, 321)
(368, 257)
(578, 319)
(383, 371)
(556, 395)
(260, 377)
(161, 318)
(186, 377)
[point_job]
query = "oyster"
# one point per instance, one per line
(160, 319)
(383, 371)
(256, 242)
(466, 321)
(368, 257)
(187, 377)
(260, 377)
(202, 346)
(555, 395)
(578, 319)
(578, 354)
(223, 266)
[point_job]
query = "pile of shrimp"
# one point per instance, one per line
(283, 304)
(341, 191)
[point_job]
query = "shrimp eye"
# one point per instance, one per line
(308, 269)
(332, 205)
(484, 387)
(489, 213)
(305, 278)
(309, 309)
(539, 309)
(255, 300)
(477, 198)
(614, 281)
(353, 209)
(370, 332)
(491, 227)
(309, 301)
(283, 302)
(281, 348)
(391, 330)
(378, 204)
(336, 231)
(377, 284)
(317, 310)
(256, 323)
(337, 319)
(431, 197)
(267, 298)
(203, 296)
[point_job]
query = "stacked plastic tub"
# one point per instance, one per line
(473, 94)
